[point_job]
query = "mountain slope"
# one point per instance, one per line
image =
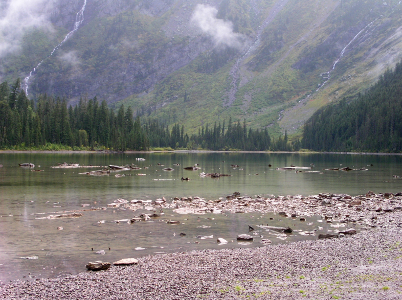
(369, 123)
(272, 63)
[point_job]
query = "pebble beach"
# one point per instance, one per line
(366, 265)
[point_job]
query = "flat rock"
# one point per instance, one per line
(327, 236)
(245, 238)
(98, 266)
(65, 216)
(173, 222)
(349, 231)
(126, 262)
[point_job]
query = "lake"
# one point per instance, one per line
(35, 246)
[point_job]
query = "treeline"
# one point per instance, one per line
(234, 136)
(49, 120)
(370, 123)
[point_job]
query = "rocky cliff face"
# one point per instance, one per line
(272, 63)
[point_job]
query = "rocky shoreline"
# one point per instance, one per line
(366, 265)
(368, 211)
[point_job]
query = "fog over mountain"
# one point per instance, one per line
(197, 62)
(18, 16)
(221, 31)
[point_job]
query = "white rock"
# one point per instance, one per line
(222, 241)
(126, 262)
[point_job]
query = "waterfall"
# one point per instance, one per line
(79, 19)
(327, 75)
(351, 41)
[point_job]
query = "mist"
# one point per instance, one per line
(221, 31)
(17, 16)
(70, 59)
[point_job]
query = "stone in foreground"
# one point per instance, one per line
(126, 262)
(98, 266)
(349, 231)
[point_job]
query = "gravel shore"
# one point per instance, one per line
(367, 265)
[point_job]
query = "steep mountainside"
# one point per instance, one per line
(270, 62)
(369, 123)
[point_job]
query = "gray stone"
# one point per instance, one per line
(98, 266)
(245, 238)
(349, 231)
(327, 236)
(173, 222)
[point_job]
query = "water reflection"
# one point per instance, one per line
(28, 196)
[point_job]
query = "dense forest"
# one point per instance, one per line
(371, 122)
(49, 120)
(49, 123)
(218, 137)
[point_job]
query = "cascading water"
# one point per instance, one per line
(79, 19)
(327, 75)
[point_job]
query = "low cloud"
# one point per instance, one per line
(16, 16)
(220, 30)
(70, 59)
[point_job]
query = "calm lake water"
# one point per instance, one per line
(27, 198)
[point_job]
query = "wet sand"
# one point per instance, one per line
(366, 265)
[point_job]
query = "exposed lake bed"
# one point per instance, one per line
(52, 232)
(366, 264)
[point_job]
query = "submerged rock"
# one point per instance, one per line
(276, 228)
(173, 222)
(30, 257)
(65, 216)
(27, 165)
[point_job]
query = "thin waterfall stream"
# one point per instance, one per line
(327, 75)
(79, 19)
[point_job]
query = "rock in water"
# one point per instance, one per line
(126, 262)
(245, 238)
(173, 222)
(279, 229)
(98, 266)
(327, 236)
